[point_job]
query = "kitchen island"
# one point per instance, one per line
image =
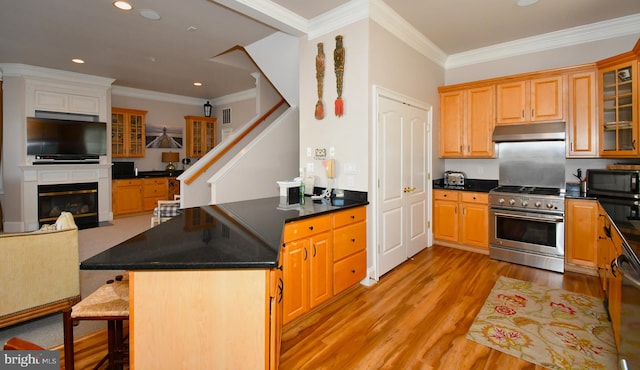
(206, 287)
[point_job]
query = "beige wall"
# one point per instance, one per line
(347, 134)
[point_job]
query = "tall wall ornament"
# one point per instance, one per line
(319, 113)
(338, 62)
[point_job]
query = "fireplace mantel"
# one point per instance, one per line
(52, 174)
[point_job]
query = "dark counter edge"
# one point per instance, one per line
(351, 199)
(475, 185)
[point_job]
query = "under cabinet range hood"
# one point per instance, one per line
(553, 131)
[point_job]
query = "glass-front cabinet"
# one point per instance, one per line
(200, 135)
(127, 133)
(619, 110)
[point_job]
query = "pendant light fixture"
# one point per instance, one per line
(207, 109)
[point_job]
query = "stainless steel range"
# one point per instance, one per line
(527, 208)
(527, 226)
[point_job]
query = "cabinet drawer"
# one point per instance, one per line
(349, 271)
(307, 227)
(128, 182)
(149, 204)
(155, 190)
(446, 194)
(349, 239)
(470, 197)
(349, 216)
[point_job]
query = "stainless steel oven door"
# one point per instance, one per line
(629, 350)
(538, 233)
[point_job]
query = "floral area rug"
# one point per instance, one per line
(552, 328)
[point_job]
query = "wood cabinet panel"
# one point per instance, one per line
(461, 217)
(467, 118)
(306, 227)
(348, 240)
(581, 236)
(349, 271)
(583, 116)
(153, 190)
(200, 135)
(126, 196)
(128, 133)
(535, 100)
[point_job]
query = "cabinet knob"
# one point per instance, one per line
(353, 271)
(310, 227)
(353, 217)
(353, 240)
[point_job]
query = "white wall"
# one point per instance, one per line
(347, 134)
(241, 113)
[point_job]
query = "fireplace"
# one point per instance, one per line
(80, 199)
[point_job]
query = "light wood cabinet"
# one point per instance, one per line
(153, 190)
(307, 265)
(226, 317)
(582, 115)
(467, 119)
(138, 195)
(474, 219)
(461, 217)
(127, 133)
(610, 247)
(618, 98)
(349, 248)
(581, 233)
(535, 100)
(200, 135)
(126, 196)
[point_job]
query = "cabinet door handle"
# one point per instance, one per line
(314, 250)
(306, 254)
(280, 290)
(523, 113)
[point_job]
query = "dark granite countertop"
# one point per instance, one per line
(245, 234)
(476, 185)
(626, 219)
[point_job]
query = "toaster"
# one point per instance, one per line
(454, 178)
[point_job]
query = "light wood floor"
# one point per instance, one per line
(415, 317)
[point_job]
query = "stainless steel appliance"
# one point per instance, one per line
(527, 226)
(527, 208)
(617, 193)
(454, 178)
(629, 349)
(614, 183)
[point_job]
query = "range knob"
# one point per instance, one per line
(525, 203)
(512, 201)
(501, 201)
(537, 204)
(550, 205)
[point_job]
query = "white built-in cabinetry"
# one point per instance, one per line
(28, 89)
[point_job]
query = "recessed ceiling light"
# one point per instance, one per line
(77, 60)
(123, 5)
(150, 14)
(526, 2)
(197, 84)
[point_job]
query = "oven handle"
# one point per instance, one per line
(521, 217)
(617, 262)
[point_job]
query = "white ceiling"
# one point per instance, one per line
(167, 55)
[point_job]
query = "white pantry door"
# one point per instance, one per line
(402, 182)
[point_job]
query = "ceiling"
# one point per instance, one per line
(169, 54)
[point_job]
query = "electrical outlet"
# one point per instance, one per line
(309, 154)
(332, 151)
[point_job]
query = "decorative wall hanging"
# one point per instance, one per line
(338, 62)
(320, 77)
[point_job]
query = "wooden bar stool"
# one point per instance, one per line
(109, 302)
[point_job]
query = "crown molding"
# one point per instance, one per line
(24, 70)
(617, 27)
(155, 95)
(386, 17)
(271, 14)
(235, 97)
(341, 16)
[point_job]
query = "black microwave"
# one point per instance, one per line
(614, 183)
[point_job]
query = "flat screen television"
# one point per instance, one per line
(60, 139)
